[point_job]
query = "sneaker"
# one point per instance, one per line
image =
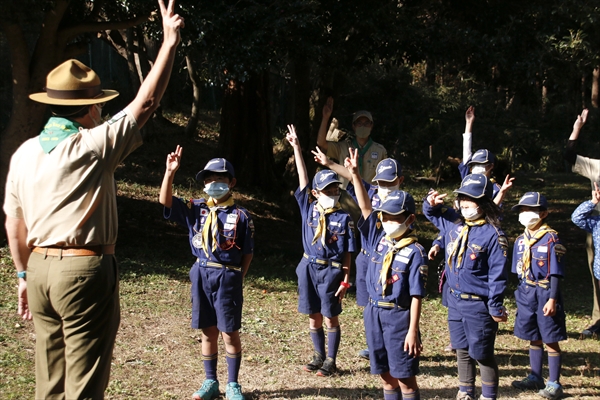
(482, 397)
(233, 391)
(590, 331)
(208, 391)
(315, 364)
(364, 354)
(449, 348)
(532, 382)
(463, 396)
(553, 390)
(328, 367)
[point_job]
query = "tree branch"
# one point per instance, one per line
(66, 34)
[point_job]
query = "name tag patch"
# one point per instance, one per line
(402, 259)
(229, 227)
(232, 218)
(374, 155)
(542, 249)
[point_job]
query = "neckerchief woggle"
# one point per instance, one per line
(460, 244)
(320, 231)
(211, 228)
(393, 248)
(56, 130)
(361, 150)
(529, 242)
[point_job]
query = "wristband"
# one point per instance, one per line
(344, 284)
(22, 274)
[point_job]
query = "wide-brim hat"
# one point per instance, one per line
(475, 186)
(73, 83)
(532, 199)
(325, 178)
(387, 170)
(397, 202)
(215, 165)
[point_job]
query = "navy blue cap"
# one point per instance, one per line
(397, 202)
(475, 186)
(325, 178)
(532, 199)
(215, 165)
(482, 156)
(388, 170)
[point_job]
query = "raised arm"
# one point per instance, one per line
(351, 163)
(151, 92)
(300, 166)
(570, 154)
(166, 189)
(322, 159)
(468, 135)
(322, 135)
(508, 182)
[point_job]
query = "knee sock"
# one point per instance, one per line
(554, 365)
(535, 360)
(466, 372)
(233, 366)
(416, 395)
(333, 341)
(210, 366)
(392, 394)
(318, 339)
(489, 377)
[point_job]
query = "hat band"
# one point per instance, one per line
(87, 93)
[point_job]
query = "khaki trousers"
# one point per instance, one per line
(589, 246)
(75, 307)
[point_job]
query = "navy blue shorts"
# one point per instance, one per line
(362, 262)
(317, 285)
(471, 327)
(217, 298)
(386, 330)
(530, 323)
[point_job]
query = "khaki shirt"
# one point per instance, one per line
(590, 168)
(68, 197)
(375, 153)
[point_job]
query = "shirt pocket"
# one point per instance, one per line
(227, 236)
(474, 256)
(539, 259)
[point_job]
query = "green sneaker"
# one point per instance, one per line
(553, 390)
(532, 382)
(208, 391)
(233, 391)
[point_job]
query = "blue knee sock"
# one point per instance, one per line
(333, 341)
(392, 394)
(210, 366)
(318, 339)
(554, 365)
(535, 359)
(233, 366)
(416, 395)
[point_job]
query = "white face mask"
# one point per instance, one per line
(470, 214)
(479, 169)
(383, 192)
(98, 121)
(393, 229)
(216, 190)
(362, 132)
(327, 201)
(529, 219)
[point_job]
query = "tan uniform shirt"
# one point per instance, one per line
(375, 153)
(68, 197)
(590, 168)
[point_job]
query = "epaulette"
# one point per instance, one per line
(420, 248)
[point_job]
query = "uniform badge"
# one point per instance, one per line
(540, 263)
(378, 225)
(473, 256)
(232, 218)
(203, 212)
(197, 241)
(118, 116)
(503, 242)
(560, 251)
(380, 248)
(374, 155)
(395, 278)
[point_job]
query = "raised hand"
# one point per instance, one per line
(434, 198)
(351, 163)
(580, 121)
(595, 194)
(321, 158)
(291, 136)
(172, 23)
(328, 109)
(174, 159)
(470, 115)
(508, 182)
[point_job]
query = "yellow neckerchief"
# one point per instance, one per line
(529, 242)
(461, 241)
(389, 256)
(320, 231)
(210, 225)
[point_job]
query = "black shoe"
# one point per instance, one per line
(315, 364)
(328, 367)
(590, 331)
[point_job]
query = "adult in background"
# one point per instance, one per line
(61, 220)
(590, 168)
(369, 152)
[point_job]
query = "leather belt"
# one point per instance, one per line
(385, 304)
(212, 264)
(334, 264)
(464, 296)
(83, 251)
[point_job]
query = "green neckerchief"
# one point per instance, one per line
(361, 151)
(56, 130)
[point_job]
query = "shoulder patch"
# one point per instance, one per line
(120, 115)
(560, 250)
(351, 224)
(503, 242)
(424, 270)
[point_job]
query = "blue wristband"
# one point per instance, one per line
(22, 274)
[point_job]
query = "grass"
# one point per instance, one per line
(157, 355)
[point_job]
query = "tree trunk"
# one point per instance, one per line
(190, 128)
(245, 139)
(595, 87)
